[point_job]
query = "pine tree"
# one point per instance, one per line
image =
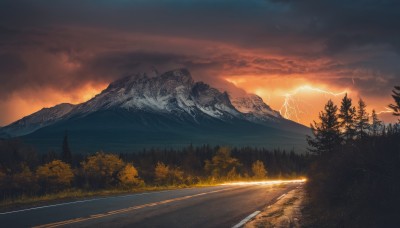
(66, 155)
(327, 132)
(396, 96)
(347, 118)
(376, 124)
(362, 120)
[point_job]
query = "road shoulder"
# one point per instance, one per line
(286, 212)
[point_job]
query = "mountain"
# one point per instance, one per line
(254, 108)
(37, 120)
(170, 110)
(174, 93)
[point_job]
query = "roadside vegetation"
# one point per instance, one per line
(354, 179)
(26, 177)
(286, 212)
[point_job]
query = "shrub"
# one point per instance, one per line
(128, 176)
(55, 175)
(161, 173)
(166, 175)
(23, 181)
(258, 169)
(222, 164)
(101, 170)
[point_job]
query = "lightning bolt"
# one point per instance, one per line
(290, 107)
(385, 111)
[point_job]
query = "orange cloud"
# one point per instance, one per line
(27, 102)
(301, 99)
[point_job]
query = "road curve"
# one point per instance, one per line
(220, 206)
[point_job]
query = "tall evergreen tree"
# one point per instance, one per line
(347, 118)
(362, 119)
(327, 132)
(66, 155)
(396, 96)
(376, 124)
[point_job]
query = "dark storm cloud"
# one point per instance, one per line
(123, 63)
(64, 44)
(62, 59)
(345, 24)
(10, 64)
(338, 25)
(251, 23)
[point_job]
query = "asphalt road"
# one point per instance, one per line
(220, 206)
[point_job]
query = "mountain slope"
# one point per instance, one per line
(37, 120)
(170, 110)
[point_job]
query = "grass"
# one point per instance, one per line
(276, 213)
(290, 201)
(264, 224)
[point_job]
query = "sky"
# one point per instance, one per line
(295, 54)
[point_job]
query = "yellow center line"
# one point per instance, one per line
(101, 215)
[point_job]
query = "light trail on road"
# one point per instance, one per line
(266, 182)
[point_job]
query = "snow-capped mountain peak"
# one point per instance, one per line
(254, 105)
(173, 94)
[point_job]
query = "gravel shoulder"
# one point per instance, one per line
(286, 212)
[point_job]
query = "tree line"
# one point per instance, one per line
(354, 176)
(23, 172)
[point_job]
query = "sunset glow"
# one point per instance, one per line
(20, 105)
(300, 99)
(294, 65)
(301, 104)
(291, 106)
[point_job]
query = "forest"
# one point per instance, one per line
(354, 175)
(23, 173)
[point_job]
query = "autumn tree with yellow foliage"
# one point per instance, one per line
(129, 176)
(258, 169)
(165, 175)
(101, 169)
(223, 165)
(107, 170)
(55, 175)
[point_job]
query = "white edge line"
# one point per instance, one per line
(245, 220)
(280, 197)
(79, 201)
(82, 201)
